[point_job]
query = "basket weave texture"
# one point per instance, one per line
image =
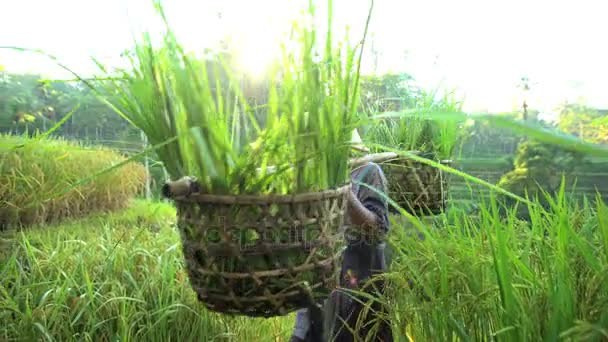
(418, 188)
(262, 256)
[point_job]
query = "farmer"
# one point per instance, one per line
(366, 224)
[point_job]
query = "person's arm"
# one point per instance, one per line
(368, 209)
(360, 215)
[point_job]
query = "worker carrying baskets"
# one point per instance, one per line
(293, 259)
(366, 224)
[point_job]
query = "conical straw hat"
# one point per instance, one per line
(358, 142)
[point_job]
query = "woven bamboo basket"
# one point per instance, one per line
(418, 188)
(292, 261)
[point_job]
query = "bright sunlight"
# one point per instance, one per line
(447, 48)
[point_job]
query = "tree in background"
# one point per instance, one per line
(537, 168)
(30, 103)
(20, 100)
(584, 122)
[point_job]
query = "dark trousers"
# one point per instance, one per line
(359, 318)
(347, 312)
(344, 311)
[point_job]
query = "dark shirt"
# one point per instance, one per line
(364, 253)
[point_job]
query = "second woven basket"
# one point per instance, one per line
(418, 188)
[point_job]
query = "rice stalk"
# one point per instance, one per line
(311, 113)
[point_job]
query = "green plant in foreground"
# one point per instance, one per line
(495, 277)
(117, 276)
(468, 278)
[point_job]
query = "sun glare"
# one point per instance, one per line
(257, 30)
(255, 57)
(257, 42)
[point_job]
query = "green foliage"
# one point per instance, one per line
(113, 276)
(121, 276)
(20, 95)
(33, 172)
(416, 130)
(584, 122)
(29, 103)
(539, 156)
(168, 94)
(483, 139)
(538, 168)
(488, 277)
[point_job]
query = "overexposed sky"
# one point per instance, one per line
(481, 48)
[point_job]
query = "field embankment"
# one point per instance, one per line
(37, 179)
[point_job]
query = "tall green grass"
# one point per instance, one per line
(108, 277)
(494, 277)
(34, 170)
(465, 278)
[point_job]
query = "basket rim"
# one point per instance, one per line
(265, 199)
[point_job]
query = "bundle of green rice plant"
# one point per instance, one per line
(417, 187)
(256, 243)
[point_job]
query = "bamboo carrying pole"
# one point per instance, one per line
(187, 185)
(373, 158)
